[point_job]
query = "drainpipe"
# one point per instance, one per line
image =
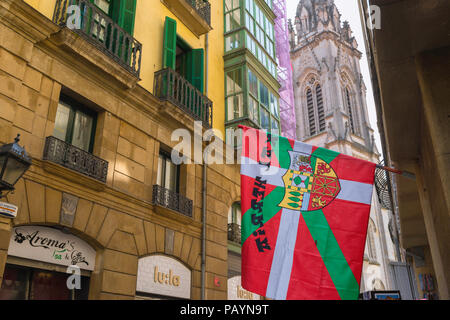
(204, 186)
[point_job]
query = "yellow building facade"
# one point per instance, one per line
(96, 114)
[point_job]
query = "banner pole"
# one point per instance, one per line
(406, 174)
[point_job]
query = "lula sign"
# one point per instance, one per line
(51, 245)
(164, 276)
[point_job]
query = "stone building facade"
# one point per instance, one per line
(117, 209)
(331, 111)
(410, 76)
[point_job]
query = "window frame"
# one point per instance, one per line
(167, 157)
(241, 93)
(261, 106)
(230, 12)
(261, 44)
(110, 7)
(260, 23)
(348, 98)
(235, 217)
(318, 116)
(75, 107)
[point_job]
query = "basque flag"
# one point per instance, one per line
(305, 212)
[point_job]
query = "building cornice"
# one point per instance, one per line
(27, 21)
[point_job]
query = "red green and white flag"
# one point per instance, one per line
(305, 212)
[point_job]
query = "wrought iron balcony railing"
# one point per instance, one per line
(203, 8)
(234, 232)
(382, 185)
(103, 32)
(73, 158)
(172, 200)
(171, 86)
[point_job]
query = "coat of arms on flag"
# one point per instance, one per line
(305, 212)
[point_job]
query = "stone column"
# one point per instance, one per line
(434, 171)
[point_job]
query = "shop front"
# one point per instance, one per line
(47, 264)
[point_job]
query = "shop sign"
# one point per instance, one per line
(52, 246)
(163, 276)
(236, 292)
(8, 210)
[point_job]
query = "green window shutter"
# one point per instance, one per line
(127, 15)
(123, 12)
(170, 43)
(195, 72)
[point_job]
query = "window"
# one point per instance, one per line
(234, 94)
(123, 13)
(75, 124)
(259, 26)
(274, 105)
(264, 94)
(253, 109)
(262, 103)
(168, 173)
(315, 107)
(253, 83)
(249, 23)
(311, 117)
(104, 5)
(348, 103)
(233, 41)
(234, 223)
(181, 53)
(234, 215)
(24, 283)
(249, 26)
(179, 56)
(232, 15)
(275, 126)
(265, 121)
(320, 108)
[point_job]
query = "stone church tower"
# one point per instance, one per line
(329, 90)
(331, 110)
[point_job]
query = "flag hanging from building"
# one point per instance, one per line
(305, 212)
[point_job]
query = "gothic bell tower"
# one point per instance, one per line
(329, 91)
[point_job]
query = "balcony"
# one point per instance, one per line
(71, 157)
(172, 200)
(203, 9)
(103, 33)
(170, 86)
(195, 14)
(234, 233)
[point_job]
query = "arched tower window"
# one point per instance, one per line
(315, 108)
(304, 21)
(311, 117)
(348, 102)
(320, 108)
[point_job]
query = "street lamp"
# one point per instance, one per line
(14, 162)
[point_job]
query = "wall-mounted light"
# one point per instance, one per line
(14, 162)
